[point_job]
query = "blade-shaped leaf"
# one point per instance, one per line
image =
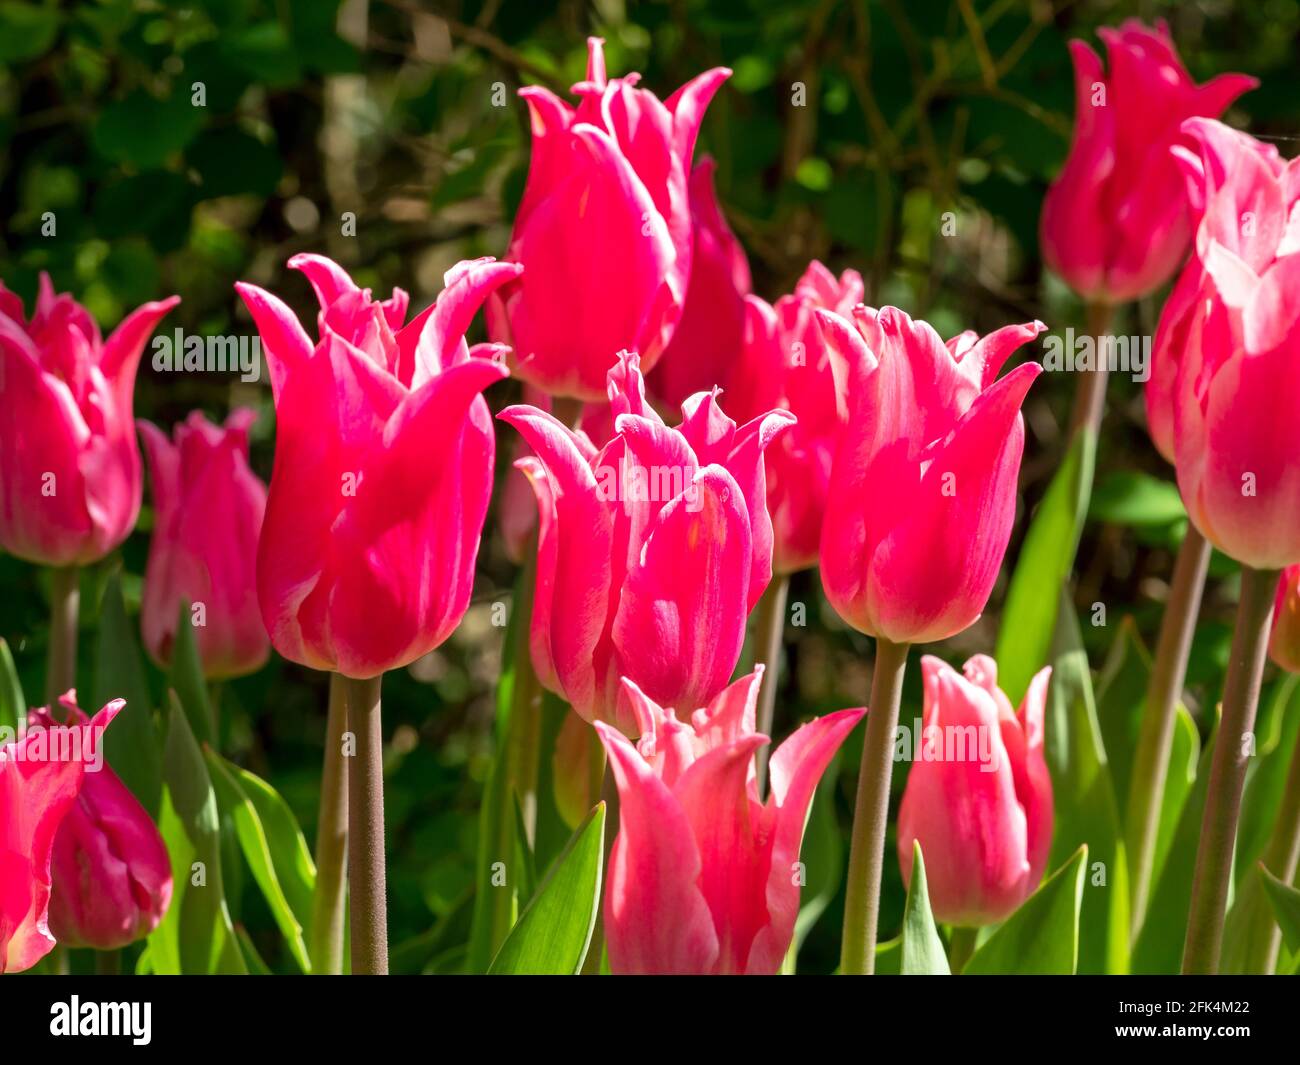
(552, 934)
(923, 953)
(1286, 906)
(13, 704)
(186, 678)
(1042, 937)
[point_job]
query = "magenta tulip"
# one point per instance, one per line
(923, 487)
(706, 346)
(604, 229)
(1284, 643)
(40, 777)
(651, 550)
(69, 464)
(703, 876)
(978, 795)
(208, 515)
(1115, 223)
(383, 469)
(111, 876)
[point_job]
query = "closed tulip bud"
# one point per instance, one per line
(40, 777)
(604, 229)
(1284, 644)
(208, 508)
(978, 795)
(703, 876)
(69, 464)
(706, 346)
(383, 469)
(923, 487)
(1116, 223)
(651, 550)
(112, 878)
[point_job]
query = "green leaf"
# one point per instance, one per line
(1131, 497)
(554, 931)
(1121, 698)
(1278, 735)
(27, 31)
(256, 966)
(822, 854)
(13, 704)
(131, 745)
(1042, 937)
(145, 131)
(231, 162)
(186, 678)
(207, 942)
(258, 852)
(923, 953)
(1046, 558)
(1286, 905)
(1179, 782)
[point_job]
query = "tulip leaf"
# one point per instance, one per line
(1121, 700)
(1286, 906)
(923, 953)
(207, 942)
(13, 704)
(1042, 937)
(822, 855)
(186, 678)
(1131, 497)
(1248, 926)
(131, 745)
(1278, 736)
(553, 933)
(260, 852)
(256, 966)
(1046, 558)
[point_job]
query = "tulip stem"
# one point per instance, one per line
(871, 812)
(366, 877)
(65, 603)
(1213, 875)
(325, 947)
(1282, 854)
(1156, 735)
(1090, 398)
(769, 630)
(961, 945)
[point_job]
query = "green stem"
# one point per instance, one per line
(1090, 398)
(871, 812)
(325, 945)
(961, 945)
(1213, 876)
(524, 731)
(1156, 735)
(366, 875)
(1282, 854)
(769, 629)
(65, 602)
(108, 963)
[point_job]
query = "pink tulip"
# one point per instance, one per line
(69, 464)
(978, 796)
(652, 550)
(383, 469)
(208, 515)
(1235, 175)
(703, 876)
(604, 229)
(40, 776)
(707, 343)
(112, 878)
(1238, 383)
(1284, 643)
(1115, 223)
(923, 488)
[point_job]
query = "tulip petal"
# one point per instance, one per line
(284, 341)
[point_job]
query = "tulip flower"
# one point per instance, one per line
(383, 469)
(1115, 223)
(706, 346)
(1284, 643)
(703, 876)
(69, 465)
(208, 515)
(111, 876)
(40, 777)
(923, 487)
(604, 229)
(978, 796)
(651, 550)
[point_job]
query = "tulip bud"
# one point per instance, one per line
(604, 229)
(112, 879)
(208, 515)
(703, 877)
(69, 464)
(1116, 223)
(1284, 643)
(923, 487)
(978, 795)
(40, 777)
(383, 469)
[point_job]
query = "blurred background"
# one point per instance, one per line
(404, 114)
